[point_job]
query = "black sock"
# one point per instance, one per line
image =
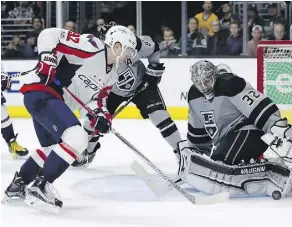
(29, 170)
(8, 133)
(54, 167)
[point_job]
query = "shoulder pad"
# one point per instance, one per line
(229, 84)
(194, 93)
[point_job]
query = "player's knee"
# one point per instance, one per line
(76, 138)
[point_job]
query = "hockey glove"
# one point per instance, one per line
(185, 158)
(102, 123)
(282, 129)
(154, 73)
(5, 82)
(46, 67)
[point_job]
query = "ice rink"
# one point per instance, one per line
(108, 194)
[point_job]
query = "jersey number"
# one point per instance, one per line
(250, 97)
(73, 36)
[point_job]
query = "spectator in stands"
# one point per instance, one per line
(279, 32)
(168, 45)
(234, 41)
(159, 37)
(39, 9)
(132, 28)
(273, 18)
(17, 49)
(257, 32)
(196, 41)
(217, 43)
(254, 19)
(206, 17)
(228, 16)
(22, 11)
(31, 37)
(96, 28)
(70, 25)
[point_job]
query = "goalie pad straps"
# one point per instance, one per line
(259, 179)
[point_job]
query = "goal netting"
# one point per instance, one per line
(275, 72)
(275, 76)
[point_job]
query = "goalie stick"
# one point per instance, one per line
(203, 200)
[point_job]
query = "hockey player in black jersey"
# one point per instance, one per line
(132, 76)
(230, 125)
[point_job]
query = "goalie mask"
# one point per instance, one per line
(204, 75)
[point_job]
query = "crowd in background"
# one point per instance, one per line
(208, 34)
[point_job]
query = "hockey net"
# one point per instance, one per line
(274, 69)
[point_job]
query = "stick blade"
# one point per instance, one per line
(212, 199)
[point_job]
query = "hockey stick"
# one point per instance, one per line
(14, 75)
(203, 200)
(130, 100)
(159, 190)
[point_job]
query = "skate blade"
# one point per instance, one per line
(7, 199)
(37, 203)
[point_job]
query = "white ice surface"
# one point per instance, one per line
(108, 194)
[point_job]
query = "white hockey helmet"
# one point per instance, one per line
(124, 36)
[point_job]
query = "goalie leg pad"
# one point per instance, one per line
(260, 179)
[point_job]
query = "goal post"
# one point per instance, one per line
(274, 73)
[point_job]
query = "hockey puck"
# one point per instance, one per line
(276, 195)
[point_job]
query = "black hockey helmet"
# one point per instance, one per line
(105, 28)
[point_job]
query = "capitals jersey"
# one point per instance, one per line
(236, 106)
(132, 71)
(81, 67)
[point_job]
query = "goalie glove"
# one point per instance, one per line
(102, 122)
(185, 158)
(154, 73)
(46, 67)
(282, 129)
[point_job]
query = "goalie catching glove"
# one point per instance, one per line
(46, 67)
(102, 122)
(154, 73)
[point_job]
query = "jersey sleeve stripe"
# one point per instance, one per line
(197, 132)
(62, 48)
(266, 115)
(198, 140)
(257, 111)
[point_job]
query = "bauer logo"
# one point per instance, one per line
(209, 123)
(252, 170)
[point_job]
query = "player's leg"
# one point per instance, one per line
(8, 134)
(151, 104)
(88, 155)
(57, 118)
(33, 165)
(240, 146)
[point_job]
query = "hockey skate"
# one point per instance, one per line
(84, 159)
(42, 195)
(16, 190)
(16, 149)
